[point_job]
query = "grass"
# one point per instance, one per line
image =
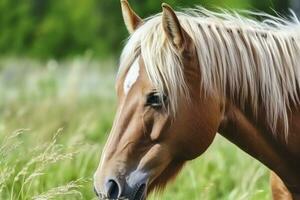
(54, 119)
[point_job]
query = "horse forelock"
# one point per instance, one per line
(256, 60)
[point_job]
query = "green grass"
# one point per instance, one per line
(54, 119)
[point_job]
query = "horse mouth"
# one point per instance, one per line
(140, 193)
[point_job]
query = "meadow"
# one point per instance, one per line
(54, 119)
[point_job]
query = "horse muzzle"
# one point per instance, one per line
(134, 187)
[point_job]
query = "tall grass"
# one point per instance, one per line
(19, 174)
(54, 119)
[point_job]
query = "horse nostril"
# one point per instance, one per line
(112, 189)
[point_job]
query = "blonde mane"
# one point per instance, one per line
(255, 60)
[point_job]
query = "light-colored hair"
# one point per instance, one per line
(257, 61)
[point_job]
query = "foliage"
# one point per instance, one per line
(54, 121)
(45, 28)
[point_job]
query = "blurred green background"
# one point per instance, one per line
(57, 102)
(62, 28)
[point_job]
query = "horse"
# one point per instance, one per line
(189, 75)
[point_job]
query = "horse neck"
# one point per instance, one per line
(254, 137)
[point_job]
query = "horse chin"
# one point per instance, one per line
(169, 174)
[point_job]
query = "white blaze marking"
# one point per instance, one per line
(132, 75)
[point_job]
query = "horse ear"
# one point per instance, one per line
(131, 19)
(172, 27)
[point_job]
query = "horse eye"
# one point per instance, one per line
(155, 100)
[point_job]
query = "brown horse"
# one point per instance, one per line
(184, 77)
